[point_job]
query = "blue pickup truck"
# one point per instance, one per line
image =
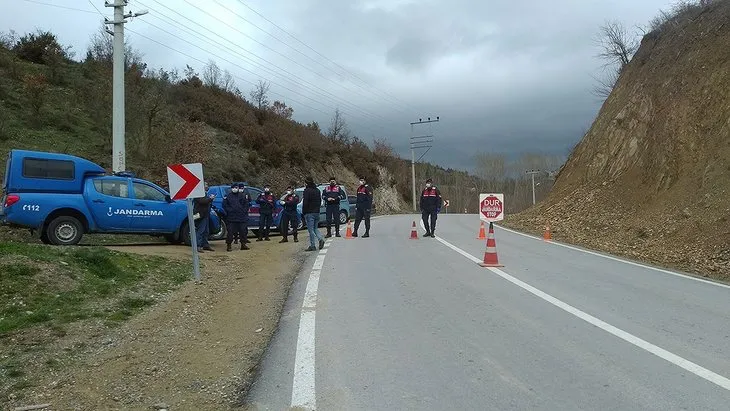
(62, 197)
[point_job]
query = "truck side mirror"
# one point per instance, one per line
(168, 198)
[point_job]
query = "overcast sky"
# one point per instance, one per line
(502, 75)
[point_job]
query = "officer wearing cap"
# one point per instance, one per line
(289, 215)
(236, 207)
(332, 195)
(267, 203)
(430, 205)
(362, 207)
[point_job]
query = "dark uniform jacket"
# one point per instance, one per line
(364, 198)
(333, 195)
(236, 207)
(430, 200)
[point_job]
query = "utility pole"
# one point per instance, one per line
(417, 142)
(118, 141)
(532, 174)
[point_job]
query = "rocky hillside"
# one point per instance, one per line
(651, 178)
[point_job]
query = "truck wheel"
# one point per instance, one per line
(343, 217)
(185, 234)
(220, 235)
(172, 239)
(65, 230)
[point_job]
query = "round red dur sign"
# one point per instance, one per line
(491, 207)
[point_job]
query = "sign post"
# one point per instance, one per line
(186, 182)
(491, 207)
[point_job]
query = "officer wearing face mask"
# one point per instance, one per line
(430, 204)
(236, 207)
(267, 203)
(332, 195)
(362, 207)
(289, 215)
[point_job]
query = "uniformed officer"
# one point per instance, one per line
(267, 203)
(289, 215)
(430, 205)
(236, 207)
(332, 195)
(363, 206)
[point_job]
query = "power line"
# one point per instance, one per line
(321, 55)
(244, 80)
(211, 41)
(247, 70)
(96, 8)
(265, 46)
(203, 62)
(60, 7)
(290, 46)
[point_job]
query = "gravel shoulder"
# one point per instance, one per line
(199, 348)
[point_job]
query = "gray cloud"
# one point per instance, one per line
(504, 76)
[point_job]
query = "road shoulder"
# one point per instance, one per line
(200, 347)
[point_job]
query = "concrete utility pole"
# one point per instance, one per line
(532, 174)
(118, 143)
(419, 142)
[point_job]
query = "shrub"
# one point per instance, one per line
(40, 48)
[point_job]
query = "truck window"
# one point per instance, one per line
(45, 168)
(145, 192)
(114, 188)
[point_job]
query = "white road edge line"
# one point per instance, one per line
(304, 394)
(630, 338)
(661, 270)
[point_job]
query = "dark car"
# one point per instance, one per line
(353, 202)
(253, 212)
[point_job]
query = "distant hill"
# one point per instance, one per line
(51, 102)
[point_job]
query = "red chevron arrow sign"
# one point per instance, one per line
(185, 181)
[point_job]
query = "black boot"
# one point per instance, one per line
(284, 240)
(228, 247)
(296, 240)
(244, 246)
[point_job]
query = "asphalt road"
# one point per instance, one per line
(389, 323)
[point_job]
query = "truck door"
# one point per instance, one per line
(152, 212)
(107, 197)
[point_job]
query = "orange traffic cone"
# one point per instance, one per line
(348, 232)
(490, 255)
(414, 232)
(482, 235)
(547, 236)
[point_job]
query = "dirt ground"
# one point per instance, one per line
(197, 350)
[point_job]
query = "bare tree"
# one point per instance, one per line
(382, 148)
(212, 75)
(227, 82)
(338, 130)
(617, 47)
(490, 167)
(604, 85)
(260, 95)
(281, 109)
(101, 49)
